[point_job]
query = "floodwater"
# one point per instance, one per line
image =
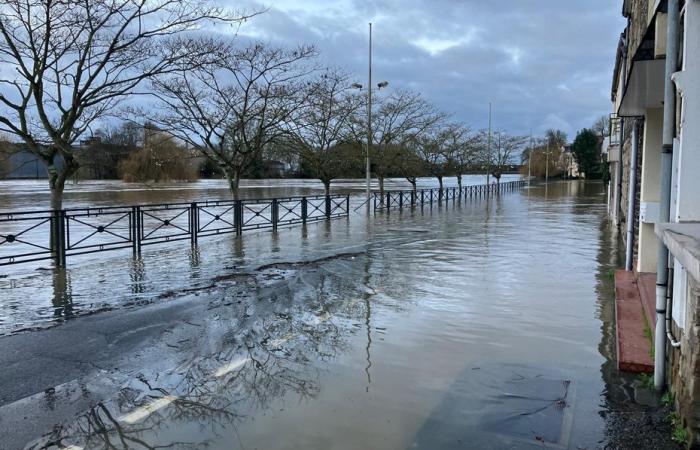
(485, 323)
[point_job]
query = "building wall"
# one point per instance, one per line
(687, 195)
(650, 188)
(684, 367)
(638, 13)
(626, 170)
(684, 363)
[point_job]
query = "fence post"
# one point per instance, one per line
(347, 205)
(136, 211)
(194, 222)
(238, 212)
(328, 206)
(58, 238)
(400, 200)
(304, 207)
(388, 201)
(275, 213)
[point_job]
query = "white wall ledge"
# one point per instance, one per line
(683, 241)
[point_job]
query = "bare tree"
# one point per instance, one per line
(462, 149)
(160, 159)
(232, 109)
(505, 148)
(320, 130)
(400, 116)
(602, 127)
(73, 62)
(410, 165)
(555, 138)
(431, 147)
(7, 149)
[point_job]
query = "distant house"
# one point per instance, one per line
(568, 164)
(22, 164)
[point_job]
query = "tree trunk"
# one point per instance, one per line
(440, 190)
(57, 183)
(57, 179)
(380, 178)
(234, 179)
(57, 196)
(327, 187)
(414, 187)
(459, 181)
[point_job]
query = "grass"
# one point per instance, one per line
(649, 336)
(646, 380)
(680, 433)
(611, 274)
(668, 399)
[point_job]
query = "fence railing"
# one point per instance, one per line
(46, 235)
(401, 199)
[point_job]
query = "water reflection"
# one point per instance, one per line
(424, 322)
(137, 272)
(265, 349)
(62, 295)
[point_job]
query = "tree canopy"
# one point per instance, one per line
(587, 153)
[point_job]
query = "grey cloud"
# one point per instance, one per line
(542, 63)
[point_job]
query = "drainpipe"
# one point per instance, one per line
(621, 139)
(665, 198)
(629, 254)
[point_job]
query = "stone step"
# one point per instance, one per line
(632, 329)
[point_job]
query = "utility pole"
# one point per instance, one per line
(369, 117)
(488, 150)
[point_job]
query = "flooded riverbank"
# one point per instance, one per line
(483, 324)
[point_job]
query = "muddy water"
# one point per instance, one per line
(484, 324)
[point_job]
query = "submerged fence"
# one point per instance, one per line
(401, 199)
(56, 235)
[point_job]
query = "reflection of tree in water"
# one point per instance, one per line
(137, 275)
(62, 300)
(279, 333)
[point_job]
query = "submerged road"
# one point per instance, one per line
(484, 324)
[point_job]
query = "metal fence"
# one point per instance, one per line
(401, 199)
(57, 235)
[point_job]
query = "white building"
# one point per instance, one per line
(656, 93)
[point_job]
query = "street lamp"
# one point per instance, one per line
(546, 170)
(381, 85)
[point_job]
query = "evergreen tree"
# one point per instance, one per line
(587, 153)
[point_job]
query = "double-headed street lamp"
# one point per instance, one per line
(380, 86)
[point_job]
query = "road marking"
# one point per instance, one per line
(72, 447)
(146, 410)
(230, 367)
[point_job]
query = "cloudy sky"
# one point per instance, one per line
(542, 63)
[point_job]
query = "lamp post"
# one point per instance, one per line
(488, 151)
(381, 85)
(529, 161)
(546, 170)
